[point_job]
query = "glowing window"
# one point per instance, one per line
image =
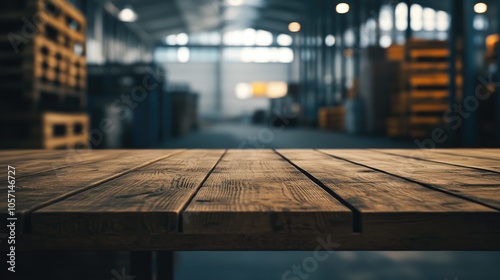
(416, 12)
(330, 40)
(442, 21)
(182, 39)
(285, 55)
(243, 91)
(263, 38)
(429, 18)
(183, 55)
(385, 41)
(261, 55)
(480, 22)
(215, 38)
(247, 55)
(349, 38)
(171, 40)
(233, 38)
(284, 40)
(401, 16)
(385, 19)
(249, 37)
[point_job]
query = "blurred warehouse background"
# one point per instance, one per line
(151, 74)
(254, 74)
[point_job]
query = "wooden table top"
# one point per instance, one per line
(255, 199)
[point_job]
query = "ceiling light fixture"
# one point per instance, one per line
(127, 14)
(294, 27)
(234, 3)
(480, 8)
(342, 8)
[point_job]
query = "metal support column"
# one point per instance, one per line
(329, 55)
(455, 13)
(358, 22)
(470, 126)
(376, 15)
(409, 31)
(343, 62)
(496, 81)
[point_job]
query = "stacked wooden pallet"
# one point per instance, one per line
(46, 130)
(332, 118)
(422, 95)
(429, 85)
(42, 70)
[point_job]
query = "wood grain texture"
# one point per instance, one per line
(147, 200)
(257, 200)
(493, 154)
(33, 192)
(43, 161)
(480, 186)
(14, 157)
(390, 205)
(258, 192)
(453, 159)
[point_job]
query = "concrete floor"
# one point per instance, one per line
(246, 136)
(341, 265)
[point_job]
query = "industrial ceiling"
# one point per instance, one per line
(160, 18)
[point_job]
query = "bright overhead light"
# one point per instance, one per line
(342, 8)
(171, 40)
(127, 15)
(330, 40)
(234, 3)
(480, 8)
(294, 27)
(243, 91)
(182, 39)
(183, 55)
(385, 41)
(277, 90)
(263, 38)
(284, 40)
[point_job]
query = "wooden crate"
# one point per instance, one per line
(396, 53)
(425, 87)
(399, 103)
(491, 48)
(397, 126)
(44, 130)
(429, 54)
(332, 118)
(49, 65)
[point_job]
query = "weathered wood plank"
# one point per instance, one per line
(259, 192)
(455, 159)
(47, 162)
(33, 192)
(147, 200)
(480, 186)
(13, 157)
(388, 204)
(493, 154)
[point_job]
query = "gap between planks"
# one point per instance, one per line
(181, 217)
(27, 218)
(357, 223)
(478, 153)
(423, 184)
(388, 204)
(451, 162)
